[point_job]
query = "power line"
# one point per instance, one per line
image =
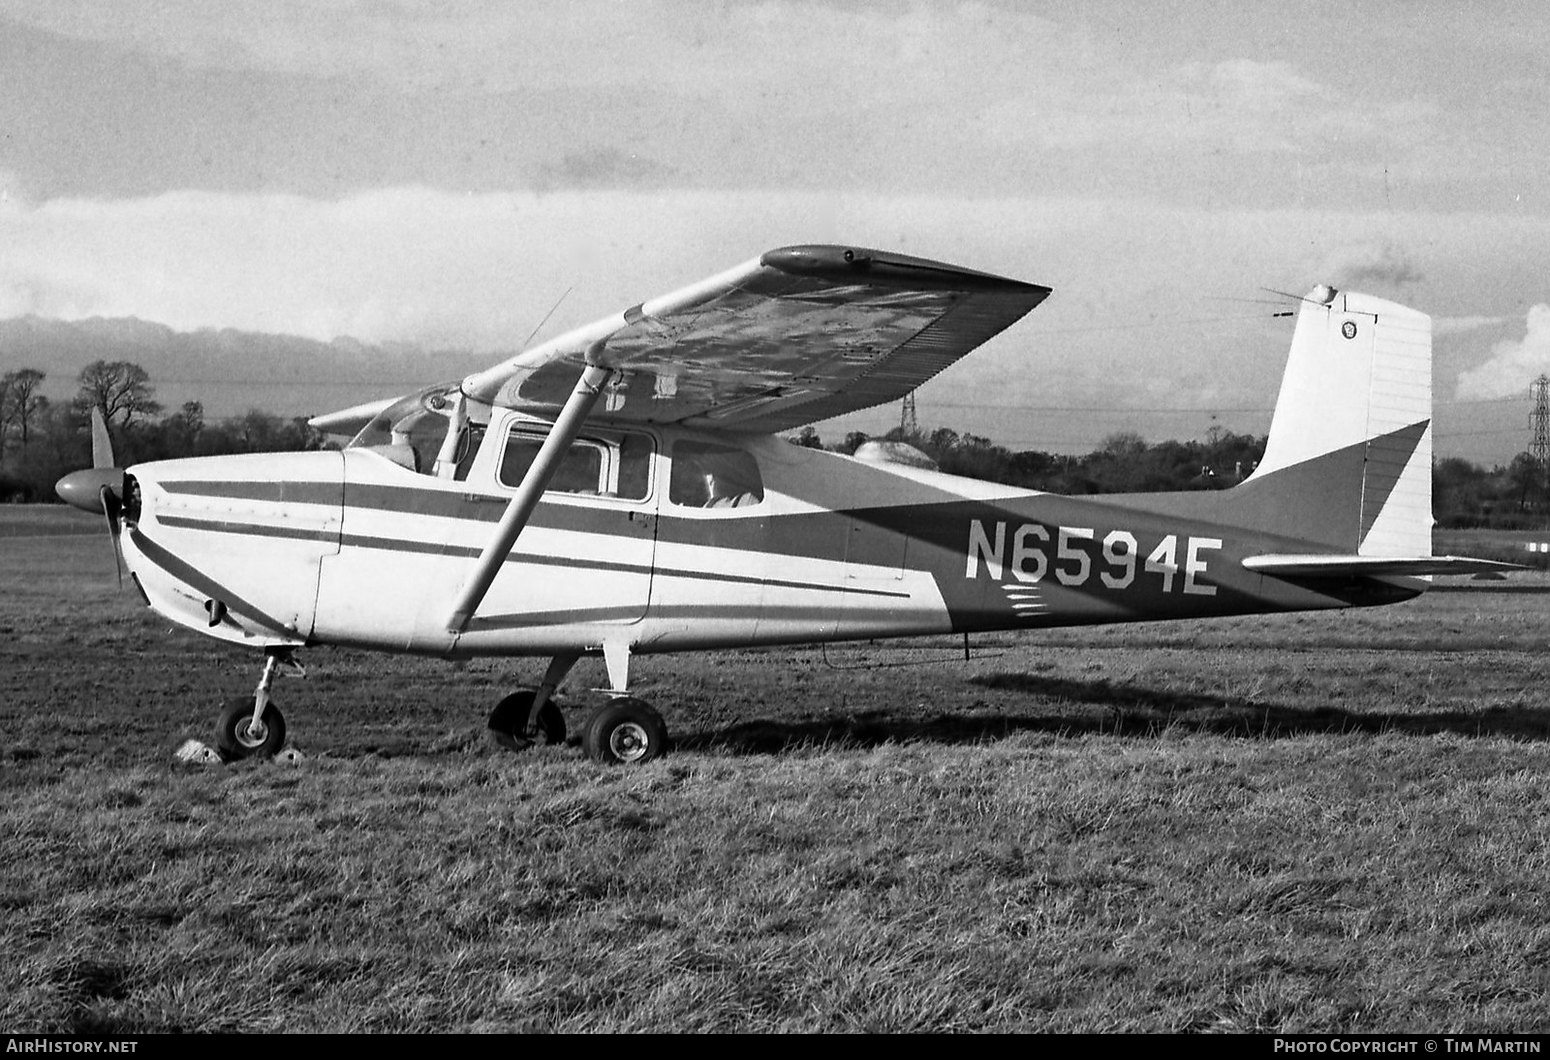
(1474, 434)
(1164, 322)
(1539, 445)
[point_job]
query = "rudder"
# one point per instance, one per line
(1351, 434)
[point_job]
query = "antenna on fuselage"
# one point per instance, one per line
(547, 315)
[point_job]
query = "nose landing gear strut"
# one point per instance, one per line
(255, 727)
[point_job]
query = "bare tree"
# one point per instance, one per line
(1123, 445)
(19, 403)
(121, 389)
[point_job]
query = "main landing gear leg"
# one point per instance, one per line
(251, 727)
(625, 730)
(559, 666)
(530, 716)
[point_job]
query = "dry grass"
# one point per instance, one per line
(1307, 823)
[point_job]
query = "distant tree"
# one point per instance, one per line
(120, 389)
(853, 441)
(1234, 456)
(1123, 444)
(941, 440)
(1034, 469)
(1459, 493)
(184, 427)
(7, 413)
(807, 438)
(58, 446)
(193, 416)
(20, 403)
(259, 431)
(1527, 480)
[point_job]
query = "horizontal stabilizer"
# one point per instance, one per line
(1316, 566)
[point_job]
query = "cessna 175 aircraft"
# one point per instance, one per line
(619, 490)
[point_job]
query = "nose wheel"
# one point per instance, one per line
(237, 735)
(254, 727)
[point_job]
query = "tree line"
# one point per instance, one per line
(1123, 463)
(42, 440)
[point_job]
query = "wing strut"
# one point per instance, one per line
(518, 510)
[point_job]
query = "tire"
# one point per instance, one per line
(510, 715)
(625, 731)
(236, 738)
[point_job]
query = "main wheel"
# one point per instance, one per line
(510, 715)
(624, 731)
(237, 737)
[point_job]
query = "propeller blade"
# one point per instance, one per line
(101, 442)
(113, 509)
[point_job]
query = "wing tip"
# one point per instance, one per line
(884, 268)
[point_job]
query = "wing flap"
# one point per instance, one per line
(1317, 566)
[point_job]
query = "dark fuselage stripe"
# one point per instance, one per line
(393, 544)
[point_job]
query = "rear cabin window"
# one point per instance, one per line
(593, 467)
(706, 475)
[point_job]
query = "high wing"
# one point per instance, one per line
(799, 334)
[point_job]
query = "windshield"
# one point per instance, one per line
(414, 431)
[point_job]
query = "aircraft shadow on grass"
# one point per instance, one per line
(1073, 708)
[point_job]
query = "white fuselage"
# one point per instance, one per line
(354, 548)
(636, 547)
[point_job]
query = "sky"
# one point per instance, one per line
(461, 174)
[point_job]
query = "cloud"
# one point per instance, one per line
(602, 167)
(898, 95)
(956, 70)
(1465, 324)
(13, 194)
(1370, 265)
(449, 270)
(495, 45)
(409, 263)
(1514, 363)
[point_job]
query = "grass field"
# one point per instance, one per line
(1331, 822)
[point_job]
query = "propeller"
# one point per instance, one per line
(99, 488)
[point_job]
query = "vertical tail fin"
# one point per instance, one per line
(1349, 457)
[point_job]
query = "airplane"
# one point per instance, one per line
(620, 490)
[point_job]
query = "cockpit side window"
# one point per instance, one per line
(592, 466)
(581, 471)
(706, 475)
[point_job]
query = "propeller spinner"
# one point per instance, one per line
(99, 488)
